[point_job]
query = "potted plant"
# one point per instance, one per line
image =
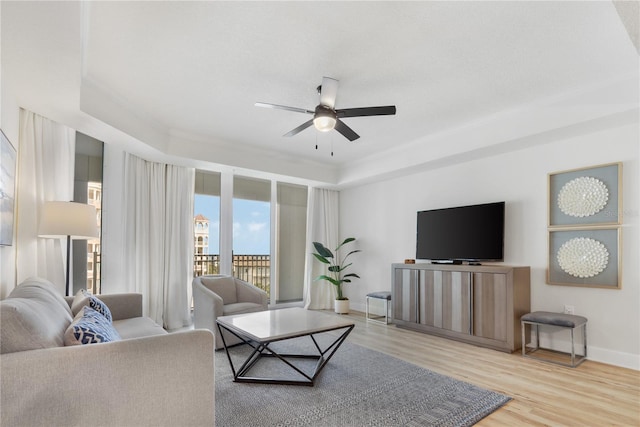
(336, 275)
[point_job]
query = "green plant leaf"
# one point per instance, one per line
(322, 250)
(328, 279)
(347, 240)
(321, 259)
(344, 267)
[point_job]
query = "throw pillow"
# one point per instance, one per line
(84, 298)
(90, 327)
(34, 315)
(37, 286)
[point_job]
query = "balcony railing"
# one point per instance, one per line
(205, 264)
(255, 269)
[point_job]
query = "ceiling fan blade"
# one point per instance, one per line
(283, 107)
(328, 92)
(299, 128)
(346, 131)
(387, 110)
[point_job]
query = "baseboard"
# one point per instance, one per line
(616, 358)
(557, 339)
(358, 307)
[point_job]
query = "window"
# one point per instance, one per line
(252, 231)
(263, 226)
(206, 219)
(88, 189)
(292, 228)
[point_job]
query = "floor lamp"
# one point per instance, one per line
(75, 221)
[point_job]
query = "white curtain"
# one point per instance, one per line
(45, 173)
(322, 226)
(178, 237)
(158, 237)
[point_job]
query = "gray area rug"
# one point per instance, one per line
(357, 387)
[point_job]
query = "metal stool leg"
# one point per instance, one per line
(524, 344)
(584, 339)
(573, 350)
(386, 312)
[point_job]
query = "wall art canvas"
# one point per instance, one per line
(7, 189)
(585, 257)
(586, 196)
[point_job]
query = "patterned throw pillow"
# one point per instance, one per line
(84, 298)
(90, 327)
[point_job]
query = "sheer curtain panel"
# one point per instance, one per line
(322, 226)
(158, 237)
(178, 253)
(45, 173)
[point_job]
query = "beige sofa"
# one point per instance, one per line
(148, 377)
(218, 295)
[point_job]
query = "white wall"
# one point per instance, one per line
(383, 218)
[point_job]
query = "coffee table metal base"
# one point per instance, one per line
(263, 349)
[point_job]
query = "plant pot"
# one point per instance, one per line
(341, 306)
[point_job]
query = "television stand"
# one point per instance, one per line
(451, 261)
(480, 305)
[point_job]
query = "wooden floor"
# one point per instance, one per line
(544, 394)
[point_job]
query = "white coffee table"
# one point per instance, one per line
(261, 329)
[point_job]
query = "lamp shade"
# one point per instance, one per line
(76, 220)
(324, 118)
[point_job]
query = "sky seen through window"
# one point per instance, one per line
(251, 224)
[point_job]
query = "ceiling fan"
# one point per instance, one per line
(326, 117)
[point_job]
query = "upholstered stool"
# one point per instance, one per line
(561, 320)
(382, 295)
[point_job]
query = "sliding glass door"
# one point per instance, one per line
(292, 226)
(206, 224)
(254, 229)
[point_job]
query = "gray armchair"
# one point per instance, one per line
(219, 295)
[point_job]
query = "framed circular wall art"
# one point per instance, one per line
(585, 257)
(585, 218)
(587, 196)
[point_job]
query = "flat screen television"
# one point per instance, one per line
(465, 233)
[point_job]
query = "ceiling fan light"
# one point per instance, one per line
(324, 119)
(324, 123)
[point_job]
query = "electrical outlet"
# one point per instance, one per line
(569, 309)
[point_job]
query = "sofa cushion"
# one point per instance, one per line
(90, 327)
(84, 298)
(223, 286)
(137, 327)
(37, 286)
(33, 316)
